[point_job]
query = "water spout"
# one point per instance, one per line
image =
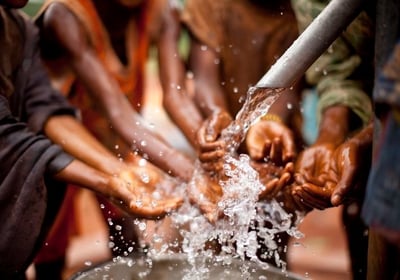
(315, 39)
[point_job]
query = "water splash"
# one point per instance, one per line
(248, 222)
(257, 103)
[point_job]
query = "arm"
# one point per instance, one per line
(176, 98)
(126, 194)
(103, 88)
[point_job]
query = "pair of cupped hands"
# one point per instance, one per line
(326, 174)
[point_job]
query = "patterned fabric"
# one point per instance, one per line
(344, 73)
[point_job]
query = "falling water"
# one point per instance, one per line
(244, 226)
(257, 103)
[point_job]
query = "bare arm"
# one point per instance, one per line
(208, 92)
(176, 99)
(103, 88)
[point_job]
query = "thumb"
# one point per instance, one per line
(343, 187)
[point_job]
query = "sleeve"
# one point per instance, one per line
(41, 100)
(26, 201)
(344, 73)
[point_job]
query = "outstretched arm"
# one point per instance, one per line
(177, 99)
(105, 90)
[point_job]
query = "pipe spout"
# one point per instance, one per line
(315, 39)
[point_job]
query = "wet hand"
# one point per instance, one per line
(205, 193)
(271, 140)
(312, 188)
(348, 170)
(274, 178)
(141, 199)
(211, 148)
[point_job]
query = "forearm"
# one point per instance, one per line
(72, 136)
(83, 175)
(334, 125)
(183, 112)
(209, 94)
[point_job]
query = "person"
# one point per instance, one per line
(35, 170)
(342, 77)
(112, 39)
(232, 44)
(380, 210)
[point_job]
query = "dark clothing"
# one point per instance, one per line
(29, 198)
(382, 202)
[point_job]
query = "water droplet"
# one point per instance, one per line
(142, 226)
(203, 47)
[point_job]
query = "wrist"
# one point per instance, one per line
(334, 125)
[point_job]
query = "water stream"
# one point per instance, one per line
(248, 222)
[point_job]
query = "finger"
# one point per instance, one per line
(308, 200)
(317, 196)
(289, 149)
(269, 189)
(155, 210)
(283, 180)
(211, 146)
(345, 185)
(256, 152)
(211, 156)
(276, 151)
(214, 128)
(300, 204)
(289, 167)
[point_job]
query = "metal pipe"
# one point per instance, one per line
(315, 39)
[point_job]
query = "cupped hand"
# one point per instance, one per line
(273, 177)
(313, 188)
(205, 193)
(141, 199)
(271, 140)
(211, 148)
(349, 170)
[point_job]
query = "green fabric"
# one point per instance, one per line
(344, 73)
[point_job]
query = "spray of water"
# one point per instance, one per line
(247, 222)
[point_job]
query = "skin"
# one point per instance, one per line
(97, 169)
(280, 145)
(106, 174)
(327, 171)
(102, 87)
(72, 44)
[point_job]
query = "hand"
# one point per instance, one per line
(273, 177)
(211, 148)
(272, 140)
(348, 170)
(142, 199)
(312, 188)
(205, 193)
